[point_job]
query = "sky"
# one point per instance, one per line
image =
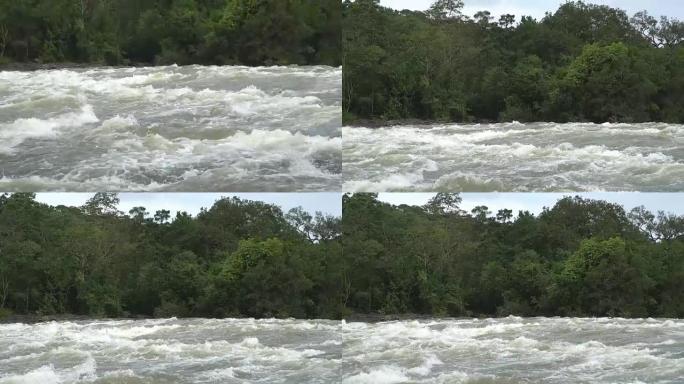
(535, 202)
(537, 8)
(330, 203)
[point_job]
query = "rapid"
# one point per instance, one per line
(189, 128)
(515, 157)
(507, 350)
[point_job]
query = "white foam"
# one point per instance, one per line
(505, 157)
(20, 130)
(426, 368)
(381, 375)
(173, 128)
(558, 350)
(43, 375)
(217, 375)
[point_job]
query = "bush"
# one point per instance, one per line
(5, 312)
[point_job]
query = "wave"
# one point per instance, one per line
(508, 350)
(172, 129)
(275, 159)
(534, 157)
(14, 133)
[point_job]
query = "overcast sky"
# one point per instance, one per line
(537, 8)
(330, 203)
(535, 202)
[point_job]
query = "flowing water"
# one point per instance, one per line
(510, 350)
(193, 128)
(515, 157)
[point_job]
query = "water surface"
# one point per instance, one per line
(194, 128)
(539, 157)
(509, 350)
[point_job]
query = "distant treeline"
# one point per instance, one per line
(584, 62)
(238, 258)
(579, 258)
(116, 32)
(246, 258)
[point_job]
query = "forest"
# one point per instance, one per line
(136, 32)
(244, 258)
(582, 62)
(238, 258)
(580, 257)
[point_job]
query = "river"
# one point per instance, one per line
(508, 350)
(193, 128)
(538, 157)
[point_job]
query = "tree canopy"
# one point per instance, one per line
(583, 62)
(116, 32)
(242, 258)
(579, 258)
(237, 258)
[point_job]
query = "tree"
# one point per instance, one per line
(600, 77)
(162, 216)
(93, 261)
(4, 39)
(481, 212)
(603, 282)
(582, 62)
(504, 215)
(507, 21)
(445, 9)
(101, 204)
(483, 18)
(667, 32)
(116, 32)
(138, 213)
(444, 203)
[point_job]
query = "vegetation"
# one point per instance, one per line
(238, 258)
(115, 32)
(579, 258)
(583, 62)
(246, 258)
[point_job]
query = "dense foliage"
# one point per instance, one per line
(250, 32)
(238, 258)
(579, 258)
(583, 62)
(246, 258)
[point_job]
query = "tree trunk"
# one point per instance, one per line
(4, 38)
(4, 286)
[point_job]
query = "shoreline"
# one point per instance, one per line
(356, 317)
(375, 124)
(370, 318)
(36, 319)
(33, 67)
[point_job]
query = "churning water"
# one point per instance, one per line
(510, 350)
(515, 157)
(193, 128)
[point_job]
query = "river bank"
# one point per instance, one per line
(37, 319)
(376, 123)
(420, 123)
(352, 318)
(32, 67)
